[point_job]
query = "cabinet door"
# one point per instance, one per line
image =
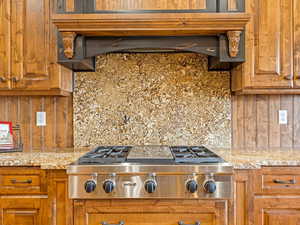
(21, 212)
(269, 45)
(297, 42)
(61, 205)
(4, 44)
(277, 211)
(30, 44)
(145, 212)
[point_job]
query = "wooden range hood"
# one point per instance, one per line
(84, 36)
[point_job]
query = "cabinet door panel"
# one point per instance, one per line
(30, 45)
(4, 44)
(21, 212)
(273, 44)
(277, 211)
(297, 42)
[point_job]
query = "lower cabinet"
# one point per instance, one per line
(276, 196)
(146, 212)
(277, 211)
(31, 196)
(15, 211)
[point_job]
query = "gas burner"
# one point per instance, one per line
(194, 154)
(106, 155)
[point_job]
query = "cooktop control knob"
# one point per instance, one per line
(108, 186)
(210, 186)
(150, 186)
(90, 186)
(192, 186)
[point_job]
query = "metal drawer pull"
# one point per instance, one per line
(3, 79)
(182, 223)
(14, 181)
(105, 223)
(284, 182)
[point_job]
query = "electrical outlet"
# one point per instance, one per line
(41, 119)
(283, 117)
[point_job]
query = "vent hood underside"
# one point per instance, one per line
(218, 35)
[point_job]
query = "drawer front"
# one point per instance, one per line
(22, 181)
(146, 219)
(278, 180)
(146, 212)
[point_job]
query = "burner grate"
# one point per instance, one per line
(194, 154)
(106, 155)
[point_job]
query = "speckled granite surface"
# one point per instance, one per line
(239, 160)
(152, 99)
(46, 160)
(243, 159)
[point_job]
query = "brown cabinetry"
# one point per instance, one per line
(143, 212)
(22, 211)
(31, 196)
(276, 199)
(277, 211)
(23, 196)
(4, 44)
(270, 49)
(28, 50)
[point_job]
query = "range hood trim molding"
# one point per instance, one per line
(161, 24)
(74, 29)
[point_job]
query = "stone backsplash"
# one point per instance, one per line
(141, 99)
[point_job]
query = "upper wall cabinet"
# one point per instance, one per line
(28, 50)
(272, 49)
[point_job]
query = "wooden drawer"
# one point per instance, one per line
(277, 180)
(22, 181)
(146, 219)
(145, 212)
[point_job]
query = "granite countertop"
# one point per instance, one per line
(255, 159)
(50, 159)
(240, 159)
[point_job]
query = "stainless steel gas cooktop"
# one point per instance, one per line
(186, 172)
(149, 154)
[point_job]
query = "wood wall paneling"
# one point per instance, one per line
(255, 122)
(22, 110)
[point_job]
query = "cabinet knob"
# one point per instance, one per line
(288, 77)
(3, 79)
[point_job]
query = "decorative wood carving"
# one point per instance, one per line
(68, 40)
(234, 38)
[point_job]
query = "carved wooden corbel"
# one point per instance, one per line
(234, 38)
(68, 41)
